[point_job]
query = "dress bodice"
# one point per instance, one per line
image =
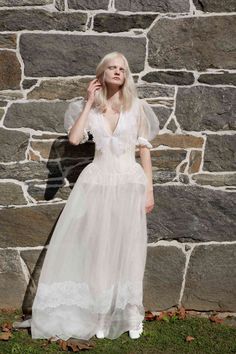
(135, 127)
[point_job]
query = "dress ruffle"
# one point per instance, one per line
(143, 142)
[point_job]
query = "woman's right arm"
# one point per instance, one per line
(76, 133)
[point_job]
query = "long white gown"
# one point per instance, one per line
(92, 275)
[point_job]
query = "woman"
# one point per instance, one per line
(91, 281)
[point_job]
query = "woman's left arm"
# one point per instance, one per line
(145, 156)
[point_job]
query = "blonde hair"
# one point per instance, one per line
(128, 88)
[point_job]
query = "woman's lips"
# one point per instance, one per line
(116, 78)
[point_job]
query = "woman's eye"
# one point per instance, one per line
(111, 67)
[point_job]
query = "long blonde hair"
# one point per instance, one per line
(128, 89)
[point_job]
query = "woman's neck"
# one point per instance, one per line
(113, 96)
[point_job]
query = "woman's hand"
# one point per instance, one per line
(93, 86)
(149, 201)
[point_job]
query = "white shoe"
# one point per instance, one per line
(135, 333)
(100, 334)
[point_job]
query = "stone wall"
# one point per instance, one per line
(182, 54)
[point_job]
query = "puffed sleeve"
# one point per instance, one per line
(148, 124)
(73, 112)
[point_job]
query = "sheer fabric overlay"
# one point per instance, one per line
(92, 275)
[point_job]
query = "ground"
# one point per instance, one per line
(176, 332)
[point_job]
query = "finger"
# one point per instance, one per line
(92, 82)
(95, 85)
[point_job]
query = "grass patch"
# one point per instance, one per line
(165, 336)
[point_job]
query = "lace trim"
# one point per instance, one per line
(144, 142)
(85, 135)
(79, 294)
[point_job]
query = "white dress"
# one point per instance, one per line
(92, 275)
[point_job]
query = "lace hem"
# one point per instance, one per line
(80, 294)
(144, 142)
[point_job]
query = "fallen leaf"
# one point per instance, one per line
(216, 319)
(6, 326)
(75, 344)
(189, 338)
(171, 313)
(163, 316)
(181, 313)
(5, 335)
(8, 310)
(149, 316)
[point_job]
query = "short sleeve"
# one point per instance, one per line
(148, 124)
(73, 112)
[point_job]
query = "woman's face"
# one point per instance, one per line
(114, 74)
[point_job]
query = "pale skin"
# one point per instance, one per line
(114, 77)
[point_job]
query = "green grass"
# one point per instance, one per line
(158, 337)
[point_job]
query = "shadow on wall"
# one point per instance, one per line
(65, 162)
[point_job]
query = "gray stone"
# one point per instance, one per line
(163, 176)
(153, 5)
(211, 278)
(33, 260)
(164, 164)
(60, 89)
(28, 83)
(13, 145)
(19, 19)
(11, 194)
(220, 153)
(183, 178)
(192, 214)
(206, 108)
(224, 78)
(167, 160)
(43, 116)
(214, 179)
(61, 149)
(163, 279)
(163, 114)
(12, 282)
(1, 112)
(13, 3)
(10, 71)
(31, 227)
(148, 91)
(31, 170)
(42, 135)
(60, 5)
(60, 55)
(8, 40)
(105, 22)
(88, 4)
(172, 126)
(50, 191)
(165, 101)
(11, 95)
(215, 5)
(170, 77)
(207, 43)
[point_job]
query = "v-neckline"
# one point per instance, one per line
(105, 127)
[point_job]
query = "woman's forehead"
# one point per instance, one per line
(116, 61)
